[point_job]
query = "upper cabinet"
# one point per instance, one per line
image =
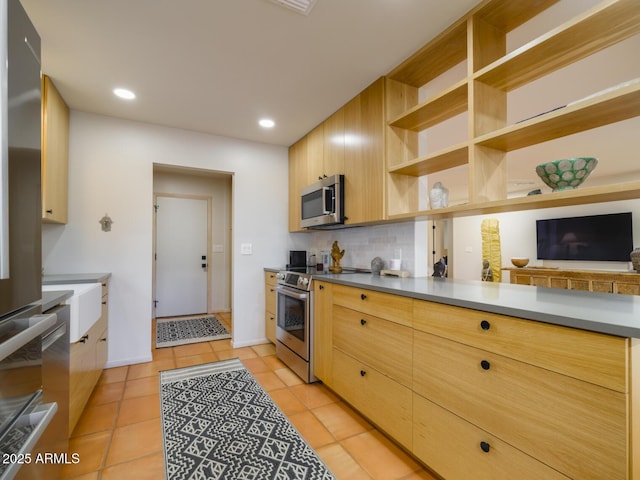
(55, 154)
(349, 142)
(477, 46)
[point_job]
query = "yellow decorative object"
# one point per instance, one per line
(336, 256)
(491, 247)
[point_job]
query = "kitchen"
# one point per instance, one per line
(111, 169)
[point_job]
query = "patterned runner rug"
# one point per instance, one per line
(219, 424)
(180, 331)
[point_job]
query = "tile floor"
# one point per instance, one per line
(119, 435)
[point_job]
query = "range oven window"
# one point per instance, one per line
(293, 310)
(293, 318)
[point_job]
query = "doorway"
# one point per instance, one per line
(181, 255)
(182, 182)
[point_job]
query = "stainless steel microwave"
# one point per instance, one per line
(322, 203)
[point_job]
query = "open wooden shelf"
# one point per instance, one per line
(436, 162)
(603, 193)
(443, 106)
(480, 39)
(610, 107)
(441, 54)
(507, 15)
(596, 29)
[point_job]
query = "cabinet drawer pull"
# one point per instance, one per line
(485, 364)
(363, 322)
(50, 211)
(363, 296)
(321, 287)
(485, 447)
(485, 325)
(362, 373)
(83, 339)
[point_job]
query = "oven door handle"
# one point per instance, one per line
(38, 324)
(292, 293)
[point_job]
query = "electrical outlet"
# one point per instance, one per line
(246, 249)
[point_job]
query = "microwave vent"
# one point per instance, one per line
(299, 6)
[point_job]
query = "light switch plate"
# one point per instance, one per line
(246, 249)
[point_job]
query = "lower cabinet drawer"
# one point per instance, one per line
(578, 428)
(382, 400)
(270, 326)
(589, 356)
(458, 450)
(384, 345)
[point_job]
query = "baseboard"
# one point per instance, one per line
(126, 362)
(249, 343)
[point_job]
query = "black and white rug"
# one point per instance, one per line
(181, 331)
(219, 424)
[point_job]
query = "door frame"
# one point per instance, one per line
(155, 244)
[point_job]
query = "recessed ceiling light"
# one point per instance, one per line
(266, 123)
(124, 93)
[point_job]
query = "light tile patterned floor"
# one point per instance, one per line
(119, 435)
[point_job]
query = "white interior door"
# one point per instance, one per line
(181, 243)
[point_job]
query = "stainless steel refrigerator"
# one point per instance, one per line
(23, 415)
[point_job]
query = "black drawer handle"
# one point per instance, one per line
(83, 339)
(50, 211)
(485, 364)
(362, 373)
(485, 447)
(321, 287)
(485, 325)
(363, 296)
(363, 322)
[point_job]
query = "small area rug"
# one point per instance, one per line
(181, 331)
(219, 424)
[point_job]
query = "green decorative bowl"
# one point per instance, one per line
(567, 173)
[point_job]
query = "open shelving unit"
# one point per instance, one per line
(480, 39)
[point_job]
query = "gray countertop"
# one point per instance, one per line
(598, 312)
(62, 278)
(51, 299)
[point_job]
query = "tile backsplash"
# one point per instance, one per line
(363, 244)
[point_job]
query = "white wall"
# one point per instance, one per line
(518, 238)
(218, 188)
(111, 171)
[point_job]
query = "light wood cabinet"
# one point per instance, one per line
(627, 283)
(588, 356)
(470, 391)
(349, 142)
(270, 282)
(389, 307)
(87, 358)
(55, 154)
(479, 39)
(450, 445)
(382, 344)
(323, 331)
(577, 428)
(364, 131)
(372, 357)
(384, 401)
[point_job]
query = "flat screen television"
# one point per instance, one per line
(594, 237)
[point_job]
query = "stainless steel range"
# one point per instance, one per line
(294, 323)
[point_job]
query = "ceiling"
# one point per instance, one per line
(218, 66)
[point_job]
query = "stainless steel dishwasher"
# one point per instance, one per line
(53, 446)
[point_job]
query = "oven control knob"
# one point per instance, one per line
(304, 281)
(280, 276)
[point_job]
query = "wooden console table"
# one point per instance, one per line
(591, 280)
